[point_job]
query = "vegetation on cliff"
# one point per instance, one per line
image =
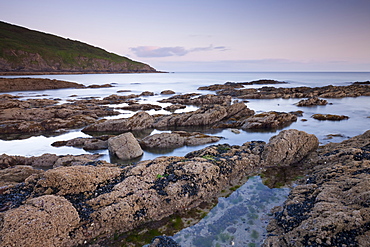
(24, 50)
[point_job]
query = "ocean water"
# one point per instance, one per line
(358, 109)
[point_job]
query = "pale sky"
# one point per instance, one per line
(211, 35)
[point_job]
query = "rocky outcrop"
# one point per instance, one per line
(330, 206)
(330, 91)
(142, 107)
(312, 102)
(234, 85)
(46, 161)
(124, 146)
(40, 115)
(140, 120)
(26, 84)
(177, 139)
(330, 117)
(100, 199)
(269, 120)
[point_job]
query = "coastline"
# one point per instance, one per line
(207, 159)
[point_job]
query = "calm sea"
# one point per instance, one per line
(358, 109)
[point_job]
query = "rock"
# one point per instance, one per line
(289, 147)
(125, 146)
(91, 143)
(143, 107)
(330, 91)
(140, 120)
(202, 116)
(329, 117)
(74, 160)
(208, 99)
(101, 199)
(16, 174)
(175, 107)
(312, 102)
(167, 92)
(100, 86)
(147, 93)
(330, 206)
(26, 84)
(42, 221)
(268, 120)
(177, 139)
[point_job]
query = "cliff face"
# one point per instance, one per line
(24, 50)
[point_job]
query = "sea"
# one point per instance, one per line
(356, 108)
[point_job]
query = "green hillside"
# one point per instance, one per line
(24, 50)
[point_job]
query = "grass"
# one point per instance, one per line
(53, 49)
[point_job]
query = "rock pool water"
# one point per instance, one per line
(238, 220)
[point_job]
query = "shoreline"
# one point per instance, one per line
(75, 73)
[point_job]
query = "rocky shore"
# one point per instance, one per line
(67, 200)
(69, 205)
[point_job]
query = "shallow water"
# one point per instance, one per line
(358, 109)
(238, 220)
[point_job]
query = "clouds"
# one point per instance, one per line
(155, 51)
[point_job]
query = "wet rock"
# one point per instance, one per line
(330, 117)
(100, 86)
(269, 120)
(140, 120)
(312, 102)
(217, 87)
(42, 221)
(125, 146)
(177, 139)
(289, 147)
(167, 92)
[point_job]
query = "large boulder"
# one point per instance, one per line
(125, 146)
(289, 147)
(140, 120)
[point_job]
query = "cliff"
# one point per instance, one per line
(27, 51)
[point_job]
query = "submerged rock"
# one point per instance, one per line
(124, 146)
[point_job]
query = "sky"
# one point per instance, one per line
(211, 35)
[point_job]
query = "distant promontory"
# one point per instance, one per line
(24, 51)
